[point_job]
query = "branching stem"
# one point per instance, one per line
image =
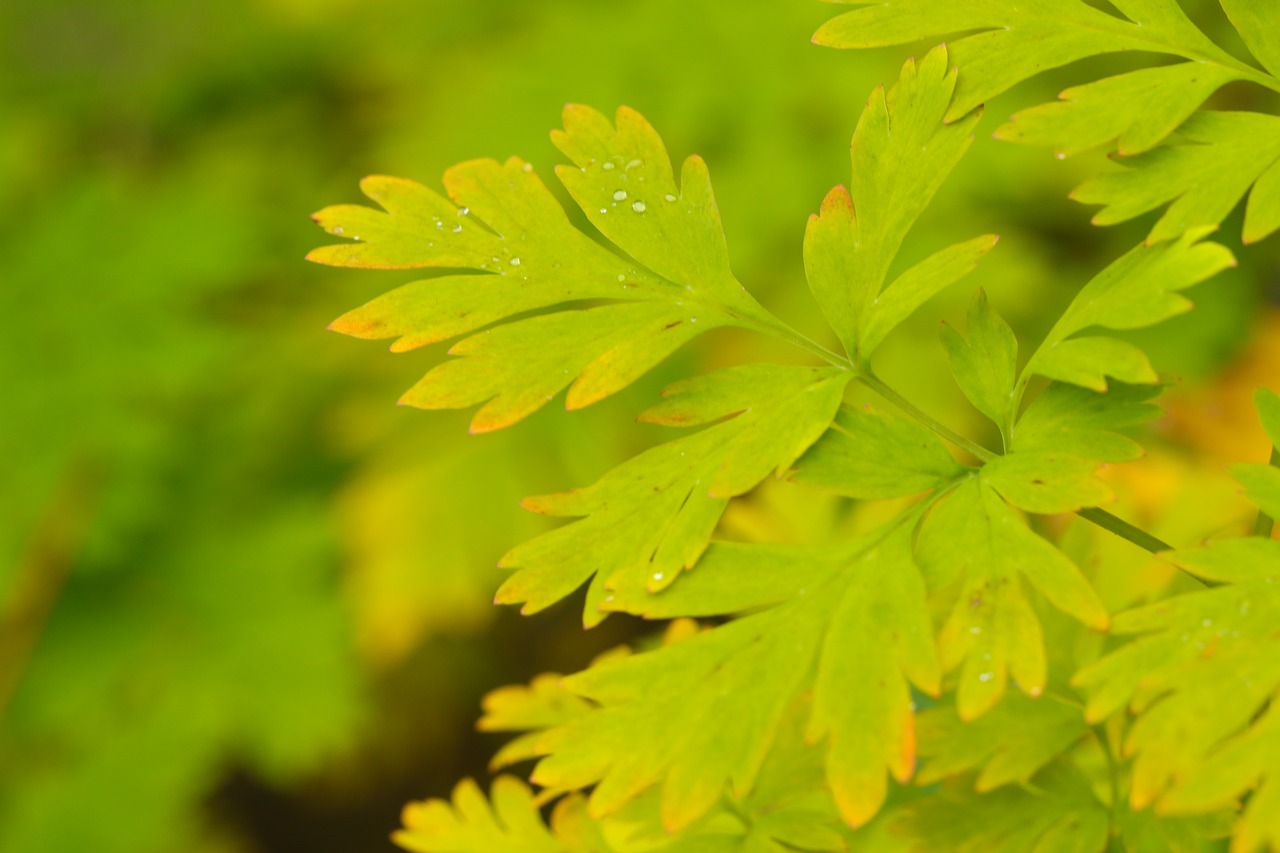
(1100, 517)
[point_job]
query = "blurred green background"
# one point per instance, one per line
(244, 599)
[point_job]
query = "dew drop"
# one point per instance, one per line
(457, 229)
(337, 229)
(527, 167)
(604, 210)
(669, 197)
(984, 677)
(495, 259)
(974, 629)
(463, 211)
(621, 277)
(515, 262)
(355, 236)
(631, 165)
(693, 319)
(657, 576)
(608, 164)
(638, 207)
(620, 195)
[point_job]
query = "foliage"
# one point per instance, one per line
(775, 726)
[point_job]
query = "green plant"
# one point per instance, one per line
(775, 726)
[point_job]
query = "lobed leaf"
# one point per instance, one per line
(1059, 813)
(1204, 666)
(1259, 26)
(1070, 419)
(521, 253)
(651, 517)
(471, 825)
(973, 543)
(1137, 110)
(1045, 481)
(1007, 43)
(872, 455)
(1202, 174)
(702, 714)
(1140, 289)
(543, 703)
(985, 362)
(1008, 745)
(1212, 159)
(901, 153)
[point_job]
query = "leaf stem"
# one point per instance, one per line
(907, 407)
(1096, 515)
(1124, 529)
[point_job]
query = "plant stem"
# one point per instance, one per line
(908, 408)
(1100, 517)
(1097, 516)
(1124, 529)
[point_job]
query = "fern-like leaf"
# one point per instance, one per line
(668, 277)
(1006, 43)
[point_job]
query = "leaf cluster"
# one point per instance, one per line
(778, 724)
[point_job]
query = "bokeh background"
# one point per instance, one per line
(244, 599)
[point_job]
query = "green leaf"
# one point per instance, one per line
(1080, 422)
(1267, 402)
(1245, 765)
(975, 545)
(543, 703)
(1058, 813)
(697, 715)
(732, 578)
(879, 640)
(1261, 485)
(1046, 482)
(1011, 42)
(1148, 832)
(1204, 665)
(730, 391)
(985, 362)
(1262, 212)
(787, 808)
(917, 285)
(471, 825)
(1009, 744)
(1089, 361)
(1205, 169)
(1259, 26)
(869, 454)
(521, 253)
(518, 367)
(1204, 172)
(651, 517)
(623, 181)
(1137, 110)
(1262, 482)
(901, 153)
(1140, 289)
